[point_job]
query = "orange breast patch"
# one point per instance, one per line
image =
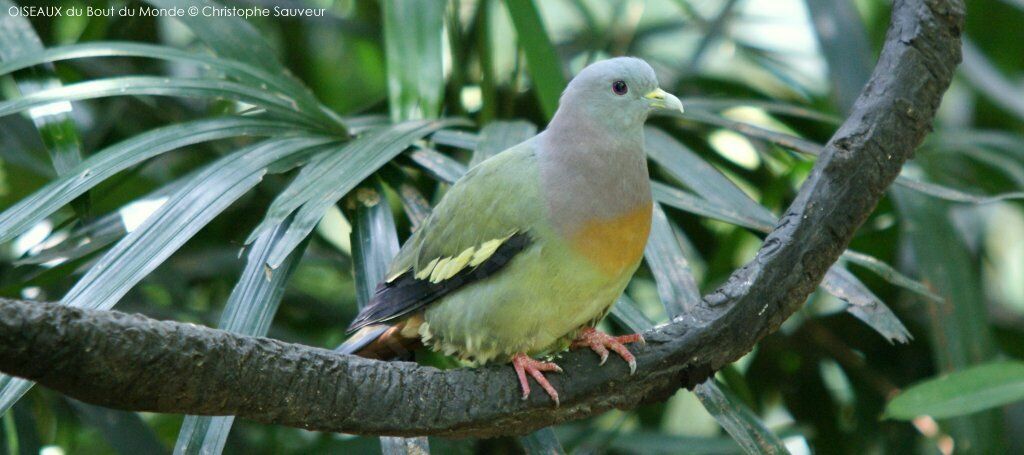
(614, 244)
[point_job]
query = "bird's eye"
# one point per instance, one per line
(619, 88)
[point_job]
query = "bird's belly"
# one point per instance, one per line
(535, 305)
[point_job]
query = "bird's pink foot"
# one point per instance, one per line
(601, 342)
(525, 364)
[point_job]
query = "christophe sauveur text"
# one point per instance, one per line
(143, 11)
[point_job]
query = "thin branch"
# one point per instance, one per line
(132, 362)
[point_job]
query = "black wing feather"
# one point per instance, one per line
(406, 294)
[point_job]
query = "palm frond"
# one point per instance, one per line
(250, 75)
(54, 122)
(334, 173)
(275, 103)
(118, 157)
(544, 67)
(250, 310)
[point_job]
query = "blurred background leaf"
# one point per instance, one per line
(963, 392)
(188, 218)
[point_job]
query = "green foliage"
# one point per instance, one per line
(412, 38)
(316, 145)
(964, 392)
(57, 129)
(543, 63)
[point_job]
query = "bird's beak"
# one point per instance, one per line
(660, 99)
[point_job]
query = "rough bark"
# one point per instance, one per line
(132, 362)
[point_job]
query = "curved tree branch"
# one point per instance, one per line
(132, 362)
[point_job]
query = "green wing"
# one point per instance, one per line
(479, 226)
(493, 201)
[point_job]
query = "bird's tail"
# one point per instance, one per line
(361, 338)
(381, 341)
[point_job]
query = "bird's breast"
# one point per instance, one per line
(614, 245)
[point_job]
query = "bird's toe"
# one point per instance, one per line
(525, 365)
(601, 343)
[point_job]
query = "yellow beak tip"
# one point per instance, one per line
(661, 99)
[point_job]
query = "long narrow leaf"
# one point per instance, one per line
(1017, 3)
(963, 392)
(416, 207)
(413, 46)
(438, 165)
(15, 145)
(54, 122)
(676, 285)
(712, 32)
(682, 200)
(374, 244)
(374, 238)
(11, 390)
(778, 66)
(187, 211)
(184, 214)
(95, 235)
(950, 194)
(233, 38)
(544, 66)
(864, 304)
(680, 296)
(775, 107)
(314, 179)
(250, 75)
(242, 71)
(741, 423)
(334, 174)
(838, 282)
(125, 431)
(541, 442)
(1005, 141)
(495, 137)
(804, 146)
(98, 233)
(986, 77)
(249, 311)
(456, 138)
(738, 420)
(228, 36)
(702, 178)
(1005, 160)
(725, 201)
(627, 312)
(695, 204)
(959, 323)
(123, 155)
(844, 45)
(798, 144)
(161, 86)
(888, 273)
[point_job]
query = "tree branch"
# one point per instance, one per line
(135, 363)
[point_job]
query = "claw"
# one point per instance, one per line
(601, 342)
(601, 351)
(524, 364)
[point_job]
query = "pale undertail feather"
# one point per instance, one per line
(361, 339)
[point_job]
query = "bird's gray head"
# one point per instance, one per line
(617, 93)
